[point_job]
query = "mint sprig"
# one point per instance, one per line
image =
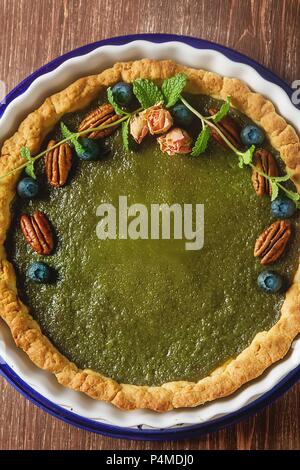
(147, 92)
(73, 138)
(29, 168)
(114, 104)
(201, 142)
(245, 158)
(172, 89)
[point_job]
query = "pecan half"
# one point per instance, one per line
(37, 232)
(58, 163)
(271, 244)
(265, 161)
(230, 128)
(105, 114)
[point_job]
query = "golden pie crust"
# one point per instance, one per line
(267, 346)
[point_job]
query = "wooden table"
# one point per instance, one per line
(32, 32)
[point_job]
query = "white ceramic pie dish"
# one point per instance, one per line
(99, 59)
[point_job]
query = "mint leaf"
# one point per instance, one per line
(125, 134)
(275, 189)
(112, 101)
(281, 178)
(275, 180)
(25, 153)
(201, 142)
(29, 169)
(72, 138)
(147, 92)
(248, 155)
(67, 134)
(172, 88)
(245, 158)
(222, 111)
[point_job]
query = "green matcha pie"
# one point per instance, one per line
(138, 318)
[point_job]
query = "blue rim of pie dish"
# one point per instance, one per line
(140, 433)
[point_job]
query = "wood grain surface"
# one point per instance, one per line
(32, 32)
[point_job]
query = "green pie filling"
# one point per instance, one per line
(148, 311)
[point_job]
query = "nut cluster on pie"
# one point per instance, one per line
(141, 324)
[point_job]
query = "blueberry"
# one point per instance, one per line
(122, 93)
(39, 272)
(92, 150)
(252, 135)
(27, 188)
(183, 117)
(269, 281)
(283, 207)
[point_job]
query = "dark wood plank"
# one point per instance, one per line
(32, 32)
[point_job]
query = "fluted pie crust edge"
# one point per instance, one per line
(267, 346)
